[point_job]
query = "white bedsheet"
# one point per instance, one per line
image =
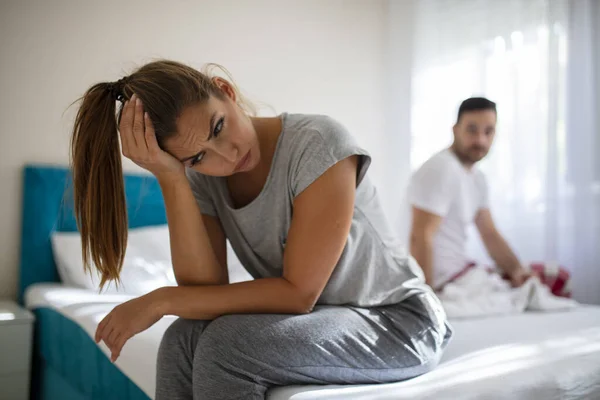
(525, 356)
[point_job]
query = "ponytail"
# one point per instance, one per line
(98, 188)
(166, 88)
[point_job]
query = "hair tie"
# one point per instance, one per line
(116, 89)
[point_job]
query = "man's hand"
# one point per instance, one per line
(519, 277)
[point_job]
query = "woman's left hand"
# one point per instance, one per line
(126, 320)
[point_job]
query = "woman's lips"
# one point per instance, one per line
(242, 164)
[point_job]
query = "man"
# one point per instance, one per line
(448, 193)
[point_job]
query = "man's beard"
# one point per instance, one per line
(472, 155)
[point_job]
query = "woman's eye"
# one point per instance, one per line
(197, 158)
(218, 127)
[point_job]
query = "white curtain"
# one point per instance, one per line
(533, 58)
(580, 196)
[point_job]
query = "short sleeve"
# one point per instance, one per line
(201, 192)
(320, 149)
(433, 187)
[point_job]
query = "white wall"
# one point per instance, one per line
(299, 56)
(397, 98)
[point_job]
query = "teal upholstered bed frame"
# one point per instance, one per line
(83, 371)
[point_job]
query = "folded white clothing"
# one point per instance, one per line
(479, 293)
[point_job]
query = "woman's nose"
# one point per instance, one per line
(228, 151)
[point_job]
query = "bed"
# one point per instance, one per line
(527, 356)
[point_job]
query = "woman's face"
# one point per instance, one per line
(215, 138)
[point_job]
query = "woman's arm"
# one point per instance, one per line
(198, 247)
(318, 233)
(317, 236)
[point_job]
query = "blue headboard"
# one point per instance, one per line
(48, 207)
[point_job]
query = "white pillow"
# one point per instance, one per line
(147, 264)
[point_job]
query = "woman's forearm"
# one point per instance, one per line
(260, 296)
(194, 260)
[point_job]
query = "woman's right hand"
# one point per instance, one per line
(139, 143)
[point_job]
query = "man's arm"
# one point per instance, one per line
(498, 248)
(424, 227)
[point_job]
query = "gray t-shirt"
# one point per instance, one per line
(373, 269)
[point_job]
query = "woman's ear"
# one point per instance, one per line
(226, 87)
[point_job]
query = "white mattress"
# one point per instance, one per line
(527, 356)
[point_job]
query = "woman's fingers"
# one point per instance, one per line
(138, 130)
(120, 342)
(140, 143)
(126, 126)
(113, 342)
(150, 136)
(133, 131)
(106, 334)
(101, 327)
(112, 338)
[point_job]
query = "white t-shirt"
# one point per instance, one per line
(444, 187)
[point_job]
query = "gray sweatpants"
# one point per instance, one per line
(241, 356)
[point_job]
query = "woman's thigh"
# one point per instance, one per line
(332, 344)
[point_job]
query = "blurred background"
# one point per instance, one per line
(393, 72)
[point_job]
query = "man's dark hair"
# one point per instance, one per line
(475, 104)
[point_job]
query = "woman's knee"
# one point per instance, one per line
(223, 334)
(175, 332)
(175, 354)
(226, 361)
(229, 340)
(180, 338)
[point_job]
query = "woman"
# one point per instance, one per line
(333, 302)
